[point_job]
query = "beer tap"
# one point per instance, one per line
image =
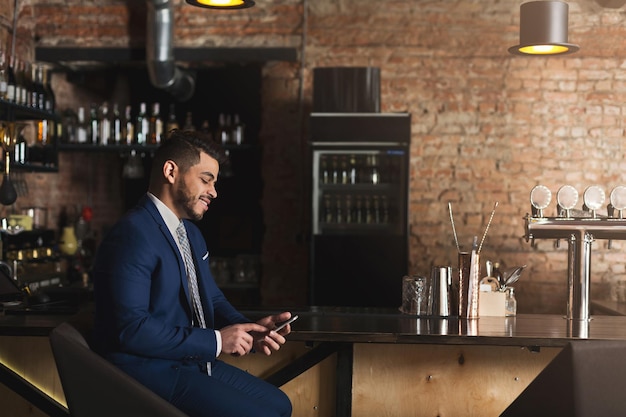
(580, 230)
(617, 203)
(593, 198)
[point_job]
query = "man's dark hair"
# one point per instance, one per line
(184, 148)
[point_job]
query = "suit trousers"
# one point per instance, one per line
(228, 392)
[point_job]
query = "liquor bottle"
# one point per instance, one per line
(20, 155)
(223, 133)
(142, 125)
(237, 134)
(206, 129)
(94, 127)
(129, 127)
(104, 123)
(27, 84)
(35, 88)
(189, 122)
(156, 125)
(39, 92)
(19, 82)
(3, 76)
(11, 81)
(116, 125)
(49, 93)
(172, 123)
(82, 127)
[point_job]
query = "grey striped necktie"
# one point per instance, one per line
(192, 281)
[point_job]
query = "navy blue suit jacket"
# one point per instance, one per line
(143, 315)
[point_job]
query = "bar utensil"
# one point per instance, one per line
(474, 278)
(456, 238)
(511, 276)
(439, 300)
(487, 227)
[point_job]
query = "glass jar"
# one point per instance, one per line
(510, 303)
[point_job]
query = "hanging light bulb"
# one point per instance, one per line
(543, 29)
(222, 4)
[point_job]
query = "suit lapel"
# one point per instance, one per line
(160, 223)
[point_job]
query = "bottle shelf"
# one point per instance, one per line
(43, 157)
(12, 111)
(78, 147)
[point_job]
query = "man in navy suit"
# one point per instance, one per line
(146, 321)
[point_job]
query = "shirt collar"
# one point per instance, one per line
(171, 220)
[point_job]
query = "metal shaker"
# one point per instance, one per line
(439, 300)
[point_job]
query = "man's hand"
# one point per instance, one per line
(270, 340)
(238, 340)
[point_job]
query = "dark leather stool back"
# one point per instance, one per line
(93, 387)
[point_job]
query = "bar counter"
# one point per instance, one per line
(372, 325)
(363, 362)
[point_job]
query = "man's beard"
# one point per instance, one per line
(187, 202)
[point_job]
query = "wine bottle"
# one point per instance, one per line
(116, 126)
(237, 134)
(11, 81)
(49, 93)
(20, 93)
(172, 122)
(156, 125)
(3, 76)
(94, 128)
(82, 127)
(223, 135)
(206, 129)
(104, 123)
(39, 92)
(142, 125)
(129, 127)
(35, 90)
(189, 122)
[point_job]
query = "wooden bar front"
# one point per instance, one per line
(400, 365)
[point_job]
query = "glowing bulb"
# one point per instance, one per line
(543, 49)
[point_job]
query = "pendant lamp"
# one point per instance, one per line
(222, 4)
(543, 29)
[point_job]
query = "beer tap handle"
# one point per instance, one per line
(610, 210)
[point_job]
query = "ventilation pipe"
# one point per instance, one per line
(164, 73)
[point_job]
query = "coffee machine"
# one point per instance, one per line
(33, 258)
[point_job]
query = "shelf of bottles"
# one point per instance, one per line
(357, 192)
(117, 128)
(27, 107)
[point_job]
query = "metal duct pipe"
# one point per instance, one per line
(164, 73)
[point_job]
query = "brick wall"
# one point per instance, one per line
(487, 126)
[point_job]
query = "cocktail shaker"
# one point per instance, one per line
(440, 291)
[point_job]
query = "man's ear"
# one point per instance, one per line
(170, 171)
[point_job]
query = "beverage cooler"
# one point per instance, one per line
(359, 248)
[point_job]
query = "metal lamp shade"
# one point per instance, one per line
(543, 29)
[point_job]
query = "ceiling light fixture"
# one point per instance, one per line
(222, 4)
(543, 29)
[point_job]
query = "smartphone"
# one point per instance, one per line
(291, 320)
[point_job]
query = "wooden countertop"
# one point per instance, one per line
(354, 325)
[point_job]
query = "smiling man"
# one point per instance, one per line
(159, 315)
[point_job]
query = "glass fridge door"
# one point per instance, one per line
(360, 191)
